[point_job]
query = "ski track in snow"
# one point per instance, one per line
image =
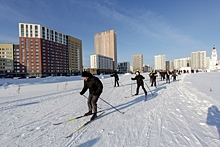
(174, 115)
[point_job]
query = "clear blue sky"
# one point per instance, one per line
(149, 27)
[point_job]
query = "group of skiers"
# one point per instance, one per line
(95, 86)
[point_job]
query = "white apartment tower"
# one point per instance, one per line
(198, 60)
(160, 62)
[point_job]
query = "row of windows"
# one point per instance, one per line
(7, 49)
(5, 56)
(6, 52)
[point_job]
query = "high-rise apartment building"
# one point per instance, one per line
(160, 62)
(198, 60)
(7, 58)
(45, 52)
(137, 62)
(105, 43)
(75, 55)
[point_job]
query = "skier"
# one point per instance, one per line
(167, 76)
(174, 75)
(95, 89)
(153, 75)
(140, 82)
(114, 74)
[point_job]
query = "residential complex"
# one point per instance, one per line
(75, 55)
(160, 62)
(182, 62)
(105, 43)
(45, 52)
(100, 64)
(7, 58)
(198, 60)
(137, 62)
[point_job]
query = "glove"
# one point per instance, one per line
(81, 93)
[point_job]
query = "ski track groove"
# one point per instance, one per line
(27, 126)
(184, 136)
(32, 100)
(148, 127)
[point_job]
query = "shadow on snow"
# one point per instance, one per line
(213, 118)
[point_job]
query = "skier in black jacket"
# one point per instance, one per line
(95, 89)
(140, 82)
(153, 75)
(114, 74)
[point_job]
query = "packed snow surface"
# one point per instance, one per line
(180, 114)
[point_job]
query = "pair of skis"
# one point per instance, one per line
(145, 97)
(82, 126)
(72, 119)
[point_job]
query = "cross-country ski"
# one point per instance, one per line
(70, 135)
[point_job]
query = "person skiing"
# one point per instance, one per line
(95, 87)
(115, 75)
(174, 75)
(167, 76)
(153, 75)
(139, 78)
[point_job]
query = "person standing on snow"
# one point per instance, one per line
(139, 78)
(153, 75)
(114, 74)
(95, 87)
(167, 76)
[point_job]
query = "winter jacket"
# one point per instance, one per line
(94, 85)
(139, 79)
(153, 75)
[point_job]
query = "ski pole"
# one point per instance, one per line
(87, 98)
(148, 88)
(111, 106)
(112, 82)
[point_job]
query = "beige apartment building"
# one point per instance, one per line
(137, 62)
(6, 58)
(75, 55)
(160, 62)
(198, 60)
(105, 43)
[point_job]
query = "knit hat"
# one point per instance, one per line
(86, 74)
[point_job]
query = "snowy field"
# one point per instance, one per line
(184, 113)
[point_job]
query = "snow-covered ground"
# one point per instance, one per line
(180, 114)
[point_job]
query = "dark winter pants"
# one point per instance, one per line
(92, 103)
(153, 82)
(116, 82)
(168, 79)
(138, 86)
